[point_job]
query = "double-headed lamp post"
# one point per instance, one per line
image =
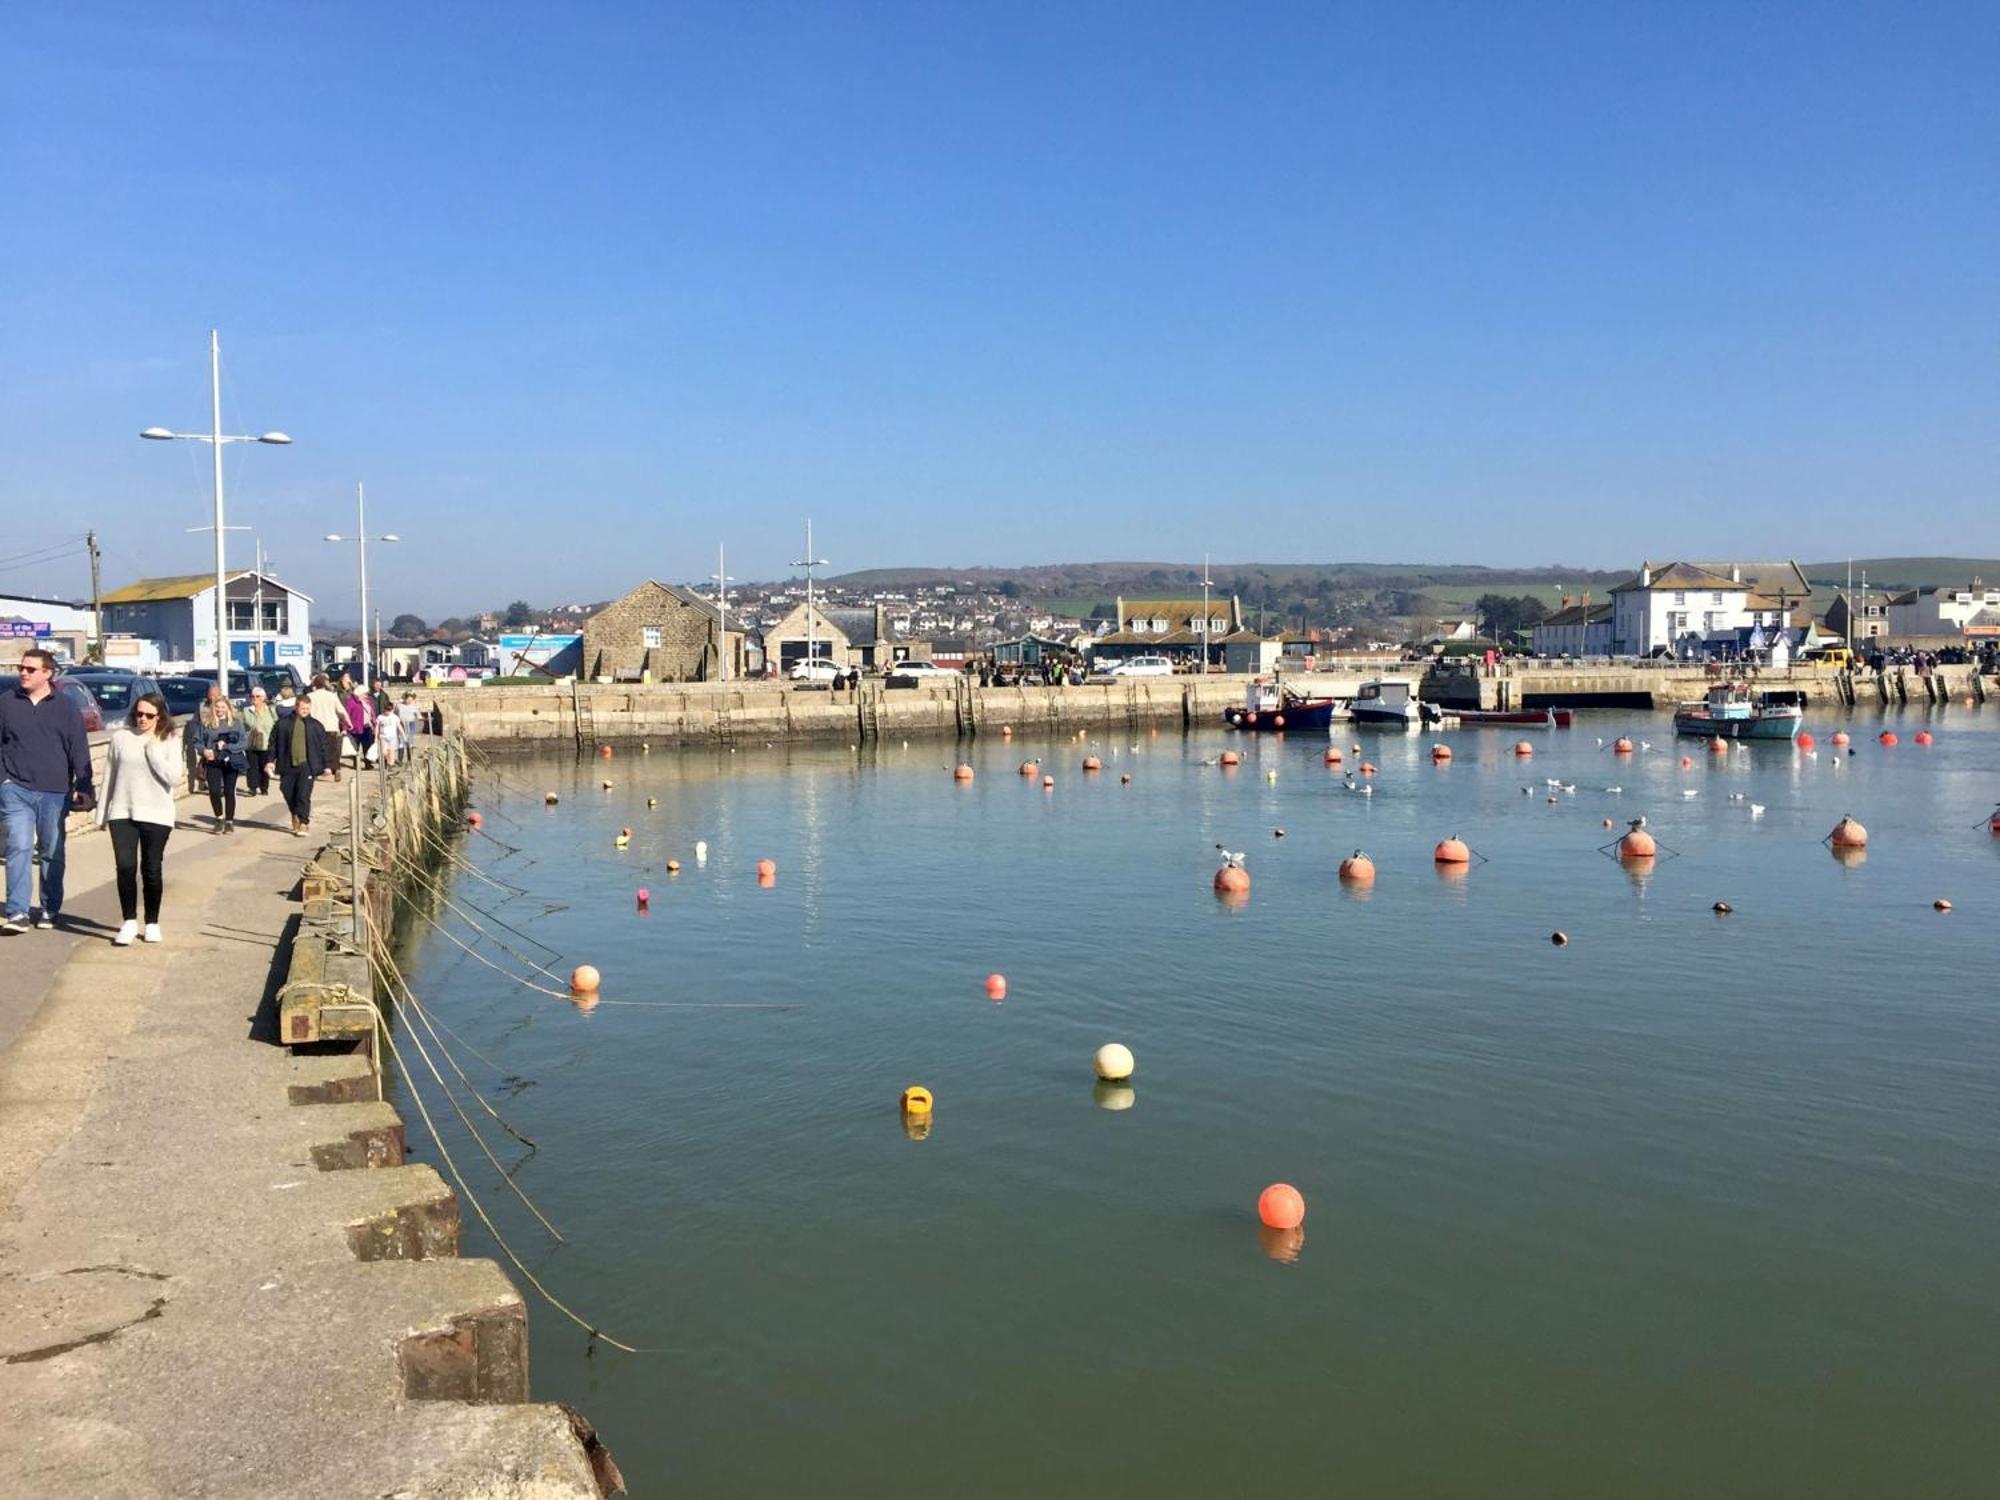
(361, 539)
(216, 438)
(809, 562)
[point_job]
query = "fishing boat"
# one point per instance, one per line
(1271, 705)
(1535, 718)
(1389, 703)
(1734, 711)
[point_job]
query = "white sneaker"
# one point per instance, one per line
(152, 932)
(126, 932)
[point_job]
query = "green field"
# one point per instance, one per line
(1904, 572)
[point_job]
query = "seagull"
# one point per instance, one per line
(1277, 833)
(1569, 788)
(1737, 796)
(1756, 809)
(1645, 744)
(1527, 791)
(1600, 742)
(1553, 781)
(1366, 791)
(1233, 861)
(1693, 791)
(1616, 791)
(1637, 823)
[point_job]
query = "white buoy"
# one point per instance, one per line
(1114, 1062)
(701, 851)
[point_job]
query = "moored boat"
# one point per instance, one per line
(1733, 711)
(1388, 703)
(1271, 705)
(1534, 718)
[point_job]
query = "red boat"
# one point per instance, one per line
(1537, 718)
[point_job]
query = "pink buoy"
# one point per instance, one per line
(643, 896)
(996, 986)
(473, 820)
(1048, 782)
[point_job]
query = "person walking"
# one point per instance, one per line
(260, 726)
(409, 713)
(304, 749)
(356, 720)
(220, 748)
(325, 708)
(142, 771)
(388, 737)
(44, 774)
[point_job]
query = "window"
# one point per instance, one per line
(1159, 626)
(274, 616)
(243, 615)
(1680, 596)
(1715, 598)
(652, 636)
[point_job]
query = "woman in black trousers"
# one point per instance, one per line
(303, 752)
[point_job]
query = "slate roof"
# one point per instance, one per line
(184, 586)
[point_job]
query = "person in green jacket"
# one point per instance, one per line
(260, 722)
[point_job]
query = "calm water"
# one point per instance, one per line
(1696, 1205)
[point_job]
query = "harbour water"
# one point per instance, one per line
(1695, 1204)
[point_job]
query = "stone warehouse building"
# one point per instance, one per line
(661, 633)
(848, 637)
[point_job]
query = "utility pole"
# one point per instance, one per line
(257, 609)
(96, 599)
(722, 582)
(809, 562)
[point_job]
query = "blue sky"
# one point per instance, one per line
(582, 291)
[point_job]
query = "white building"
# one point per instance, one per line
(1575, 630)
(1946, 610)
(269, 623)
(1683, 607)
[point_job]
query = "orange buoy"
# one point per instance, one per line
(1923, 737)
(673, 867)
(583, 980)
(1048, 782)
(1559, 938)
(1839, 739)
(1887, 737)
(1332, 757)
(1029, 767)
(996, 986)
(1440, 754)
(1452, 851)
(1804, 741)
(1718, 746)
(1368, 768)
(1621, 746)
(1006, 731)
(767, 867)
(1523, 749)
(962, 773)
(1941, 904)
(1277, 721)
(1848, 834)
(1092, 763)
(1686, 761)
(605, 751)
(473, 819)
(1229, 758)
(1231, 880)
(1281, 1206)
(1358, 869)
(1993, 823)
(1638, 844)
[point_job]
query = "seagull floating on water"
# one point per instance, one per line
(1234, 861)
(1756, 809)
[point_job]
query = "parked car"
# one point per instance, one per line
(114, 688)
(917, 673)
(819, 669)
(185, 694)
(85, 701)
(1141, 666)
(269, 678)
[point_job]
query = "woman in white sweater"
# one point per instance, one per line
(142, 770)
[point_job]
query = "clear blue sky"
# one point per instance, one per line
(582, 290)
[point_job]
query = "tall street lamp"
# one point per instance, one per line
(809, 562)
(722, 582)
(361, 539)
(215, 438)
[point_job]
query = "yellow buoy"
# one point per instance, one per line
(916, 1100)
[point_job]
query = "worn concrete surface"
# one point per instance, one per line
(182, 1308)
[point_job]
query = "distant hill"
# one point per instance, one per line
(1905, 572)
(1095, 579)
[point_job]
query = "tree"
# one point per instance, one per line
(1010, 589)
(1501, 615)
(408, 627)
(519, 613)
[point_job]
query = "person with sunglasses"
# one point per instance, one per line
(44, 775)
(142, 770)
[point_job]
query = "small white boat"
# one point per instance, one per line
(1387, 703)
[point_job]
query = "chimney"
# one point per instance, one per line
(1736, 572)
(1646, 574)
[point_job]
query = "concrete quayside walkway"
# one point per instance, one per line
(195, 1297)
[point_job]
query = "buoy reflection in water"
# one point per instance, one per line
(1282, 1245)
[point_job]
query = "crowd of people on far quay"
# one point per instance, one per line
(302, 736)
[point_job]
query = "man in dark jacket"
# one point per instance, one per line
(303, 751)
(44, 773)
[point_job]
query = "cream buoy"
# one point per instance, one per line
(549, 799)
(1718, 746)
(1523, 749)
(1092, 763)
(1229, 758)
(1114, 1062)
(1028, 768)
(1332, 757)
(1440, 754)
(583, 980)
(1358, 869)
(1621, 746)
(962, 773)
(1839, 740)
(1848, 834)
(1048, 782)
